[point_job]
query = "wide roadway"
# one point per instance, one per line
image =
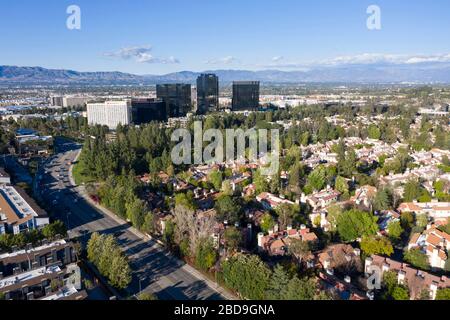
(153, 269)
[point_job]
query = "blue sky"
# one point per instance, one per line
(161, 36)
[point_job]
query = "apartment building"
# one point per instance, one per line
(46, 272)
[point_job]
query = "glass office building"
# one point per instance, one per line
(245, 96)
(177, 98)
(207, 93)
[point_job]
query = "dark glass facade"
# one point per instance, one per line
(148, 110)
(245, 95)
(177, 98)
(207, 93)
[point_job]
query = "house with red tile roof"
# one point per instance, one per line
(271, 201)
(321, 199)
(364, 196)
(434, 209)
(433, 242)
(276, 243)
(417, 281)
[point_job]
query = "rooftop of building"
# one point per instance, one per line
(29, 275)
(43, 247)
(16, 207)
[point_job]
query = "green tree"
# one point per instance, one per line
(383, 200)
(147, 297)
(394, 291)
(412, 191)
(334, 211)
(216, 179)
(376, 245)
(277, 284)
(136, 211)
(106, 255)
(295, 175)
(317, 178)
(354, 224)
(206, 255)
(407, 220)
(227, 209)
(286, 214)
(395, 230)
(342, 186)
(186, 200)
(50, 231)
(300, 248)
(417, 258)
(400, 293)
(248, 275)
(374, 132)
(301, 289)
(149, 224)
(267, 222)
(233, 238)
(421, 221)
(443, 294)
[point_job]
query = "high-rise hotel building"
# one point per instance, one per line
(110, 113)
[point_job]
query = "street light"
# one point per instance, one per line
(68, 224)
(140, 286)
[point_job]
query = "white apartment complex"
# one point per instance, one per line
(109, 113)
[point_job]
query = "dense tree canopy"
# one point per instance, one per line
(354, 224)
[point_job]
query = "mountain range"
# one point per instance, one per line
(351, 73)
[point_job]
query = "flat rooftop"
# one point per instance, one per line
(29, 275)
(63, 293)
(35, 249)
(16, 207)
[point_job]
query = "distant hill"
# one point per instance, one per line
(13, 74)
(401, 73)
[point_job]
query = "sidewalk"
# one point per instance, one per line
(82, 192)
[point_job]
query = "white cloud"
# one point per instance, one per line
(141, 54)
(363, 59)
(374, 58)
(277, 58)
(224, 60)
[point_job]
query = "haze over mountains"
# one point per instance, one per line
(352, 73)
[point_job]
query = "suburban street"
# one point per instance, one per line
(154, 269)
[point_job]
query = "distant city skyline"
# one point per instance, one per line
(159, 37)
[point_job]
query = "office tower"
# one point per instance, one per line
(75, 102)
(177, 98)
(109, 113)
(245, 95)
(207, 93)
(146, 110)
(56, 101)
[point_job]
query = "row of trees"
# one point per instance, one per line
(253, 279)
(106, 255)
(120, 194)
(50, 232)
